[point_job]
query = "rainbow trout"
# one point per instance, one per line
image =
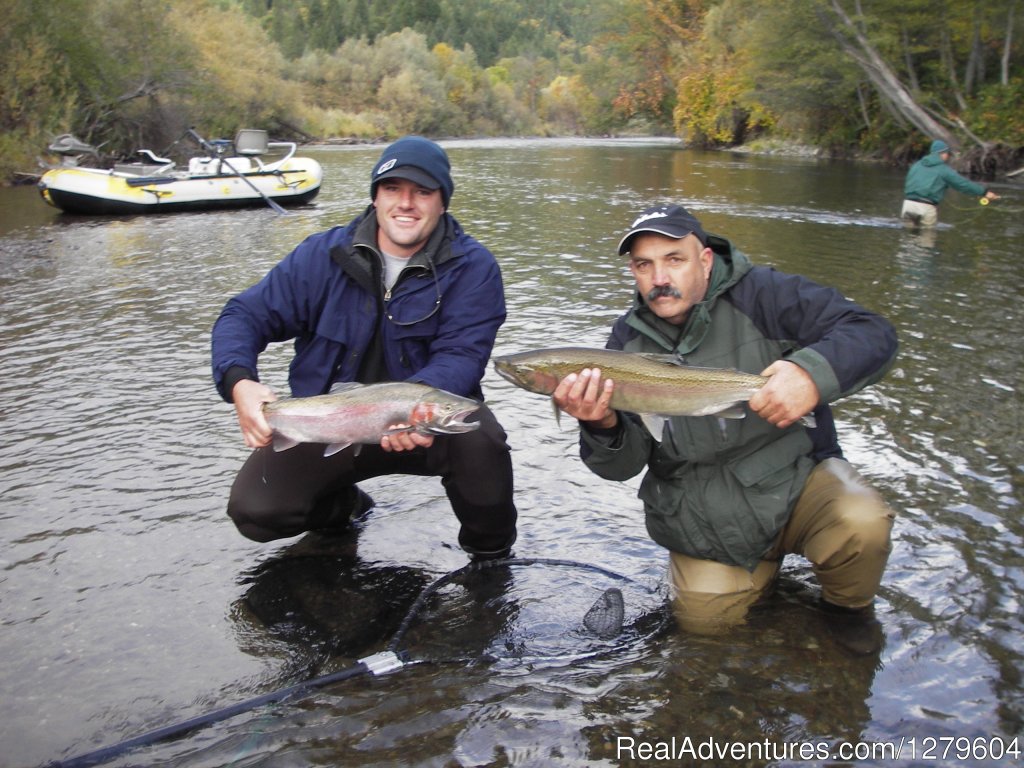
(363, 413)
(655, 387)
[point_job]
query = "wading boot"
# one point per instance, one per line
(479, 553)
(855, 629)
(335, 514)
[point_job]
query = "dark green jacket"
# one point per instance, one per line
(928, 179)
(722, 489)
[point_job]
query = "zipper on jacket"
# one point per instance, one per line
(400, 278)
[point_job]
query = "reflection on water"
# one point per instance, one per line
(317, 600)
(130, 602)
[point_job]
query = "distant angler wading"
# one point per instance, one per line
(926, 185)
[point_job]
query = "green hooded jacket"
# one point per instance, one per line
(930, 177)
(723, 489)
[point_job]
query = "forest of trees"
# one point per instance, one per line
(850, 77)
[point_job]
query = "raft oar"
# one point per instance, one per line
(209, 148)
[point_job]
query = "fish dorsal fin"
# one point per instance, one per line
(663, 359)
(344, 386)
(680, 362)
(732, 412)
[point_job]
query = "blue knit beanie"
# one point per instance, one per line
(419, 160)
(939, 146)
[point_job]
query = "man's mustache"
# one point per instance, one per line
(666, 291)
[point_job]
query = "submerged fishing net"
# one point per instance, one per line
(605, 617)
(511, 611)
(320, 608)
(529, 610)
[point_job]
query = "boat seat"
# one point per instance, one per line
(67, 144)
(162, 164)
(250, 142)
(214, 166)
(152, 157)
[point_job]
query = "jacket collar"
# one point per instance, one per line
(436, 251)
(360, 256)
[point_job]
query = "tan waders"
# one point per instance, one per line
(839, 523)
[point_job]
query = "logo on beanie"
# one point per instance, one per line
(387, 166)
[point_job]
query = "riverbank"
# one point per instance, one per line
(994, 162)
(989, 163)
(115, 519)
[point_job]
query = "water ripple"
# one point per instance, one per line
(128, 594)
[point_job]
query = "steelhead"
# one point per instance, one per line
(653, 386)
(363, 413)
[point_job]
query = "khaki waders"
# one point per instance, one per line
(839, 523)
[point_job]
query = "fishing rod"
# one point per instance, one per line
(984, 202)
(1000, 207)
(604, 619)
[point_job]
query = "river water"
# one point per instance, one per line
(129, 602)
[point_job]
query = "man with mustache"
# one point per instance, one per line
(729, 498)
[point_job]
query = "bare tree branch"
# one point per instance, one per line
(856, 45)
(145, 88)
(908, 60)
(956, 122)
(946, 56)
(1007, 46)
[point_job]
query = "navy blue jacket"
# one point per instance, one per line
(437, 326)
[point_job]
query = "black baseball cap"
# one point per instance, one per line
(669, 220)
